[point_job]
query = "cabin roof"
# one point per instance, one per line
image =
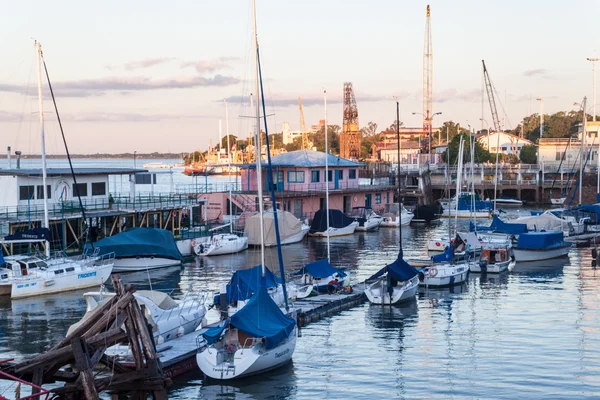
(67, 171)
(308, 159)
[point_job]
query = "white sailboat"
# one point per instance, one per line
(398, 281)
(259, 337)
(395, 215)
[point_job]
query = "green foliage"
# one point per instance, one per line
(369, 130)
(511, 159)
(528, 154)
(232, 141)
(295, 145)
(449, 130)
(481, 154)
(366, 144)
(333, 134)
(558, 125)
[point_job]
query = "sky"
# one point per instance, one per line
(152, 76)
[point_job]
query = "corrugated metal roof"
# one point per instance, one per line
(307, 158)
(67, 171)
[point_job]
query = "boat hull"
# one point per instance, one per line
(370, 225)
(222, 247)
(444, 275)
(392, 222)
(437, 244)
(450, 213)
(377, 293)
(522, 255)
(495, 268)
(143, 263)
(37, 286)
(294, 238)
(333, 232)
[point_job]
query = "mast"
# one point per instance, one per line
(496, 173)
(38, 50)
(581, 162)
(458, 181)
(326, 175)
(400, 252)
(229, 167)
(257, 145)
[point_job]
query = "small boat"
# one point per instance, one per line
(159, 164)
(339, 224)
(393, 216)
(495, 258)
(291, 229)
(437, 244)
(26, 276)
(169, 318)
(317, 275)
(368, 220)
(507, 201)
(535, 246)
(138, 249)
(219, 244)
(427, 214)
(469, 206)
(558, 202)
(395, 283)
(446, 269)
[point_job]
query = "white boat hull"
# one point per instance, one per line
(294, 238)
(437, 244)
(451, 213)
(185, 246)
(444, 274)
(377, 293)
(245, 361)
(80, 279)
(392, 222)
(370, 225)
(508, 202)
(491, 268)
(142, 263)
(522, 255)
(220, 247)
(333, 232)
(558, 202)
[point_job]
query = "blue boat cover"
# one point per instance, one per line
(540, 240)
(500, 226)
(590, 208)
(400, 270)
(598, 197)
(140, 242)
(31, 234)
(337, 219)
(245, 282)
(261, 318)
(446, 256)
(2, 261)
(478, 205)
(534, 212)
(319, 269)
(213, 334)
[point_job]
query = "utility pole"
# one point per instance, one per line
(593, 60)
(541, 100)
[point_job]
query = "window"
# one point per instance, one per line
(26, 192)
(296, 176)
(377, 198)
(352, 174)
(329, 176)
(82, 187)
(315, 176)
(340, 173)
(40, 192)
(559, 155)
(504, 148)
(59, 271)
(70, 269)
(98, 188)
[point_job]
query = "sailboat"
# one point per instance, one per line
(398, 281)
(259, 337)
(316, 276)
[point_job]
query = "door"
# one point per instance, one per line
(347, 204)
(298, 208)
(337, 180)
(368, 200)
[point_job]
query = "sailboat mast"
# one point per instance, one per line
(38, 49)
(581, 161)
(257, 145)
(229, 168)
(400, 255)
(326, 175)
(496, 173)
(458, 181)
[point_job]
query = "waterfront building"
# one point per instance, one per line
(509, 143)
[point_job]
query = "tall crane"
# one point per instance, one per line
(305, 143)
(489, 88)
(427, 76)
(350, 138)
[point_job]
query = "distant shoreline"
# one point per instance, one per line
(124, 156)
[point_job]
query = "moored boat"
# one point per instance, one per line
(394, 216)
(339, 224)
(219, 244)
(535, 246)
(368, 220)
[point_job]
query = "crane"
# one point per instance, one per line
(489, 87)
(305, 144)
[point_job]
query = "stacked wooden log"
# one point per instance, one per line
(83, 350)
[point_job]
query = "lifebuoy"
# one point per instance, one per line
(194, 243)
(433, 271)
(437, 244)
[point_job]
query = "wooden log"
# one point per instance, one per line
(147, 341)
(113, 364)
(133, 335)
(107, 319)
(37, 380)
(82, 362)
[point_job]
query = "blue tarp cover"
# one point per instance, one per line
(478, 205)
(261, 318)
(400, 270)
(446, 256)
(337, 219)
(590, 208)
(540, 240)
(500, 226)
(319, 269)
(2, 261)
(598, 197)
(140, 242)
(31, 234)
(245, 282)
(213, 334)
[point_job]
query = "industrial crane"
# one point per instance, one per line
(489, 87)
(305, 144)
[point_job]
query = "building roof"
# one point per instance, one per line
(67, 171)
(510, 135)
(307, 158)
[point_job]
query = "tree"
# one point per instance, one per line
(449, 130)
(369, 130)
(232, 141)
(366, 144)
(295, 145)
(481, 154)
(528, 154)
(318, 139)
(511, 159)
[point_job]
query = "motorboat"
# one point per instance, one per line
(507, 201)
(495, 258)
(339, 224)
(368, 220)
(138, 249)
(395, 283)
(170, 319)
(558, 201)
(427, 213)
(445, 269)
(291, 229)
(395, 215)
(316, 277)
(219, 244)
(468, 206)
(535, 246)
(26, 276)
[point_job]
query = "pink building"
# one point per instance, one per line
(299, 178)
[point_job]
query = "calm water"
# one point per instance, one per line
(533, 333)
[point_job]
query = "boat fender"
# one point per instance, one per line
(179, 332)
(160, 339)
(194, 243)
(433, 271)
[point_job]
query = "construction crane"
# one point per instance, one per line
(427, 76)
(489, 88)
(350, 138)
(305, 143)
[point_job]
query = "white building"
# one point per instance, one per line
(288, 135)
(502, 142)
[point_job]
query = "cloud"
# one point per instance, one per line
(7, 116)
(534, 72)
(453, 94)
(211, 65)
(146, 63)
(102, 86)
(308, 101)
